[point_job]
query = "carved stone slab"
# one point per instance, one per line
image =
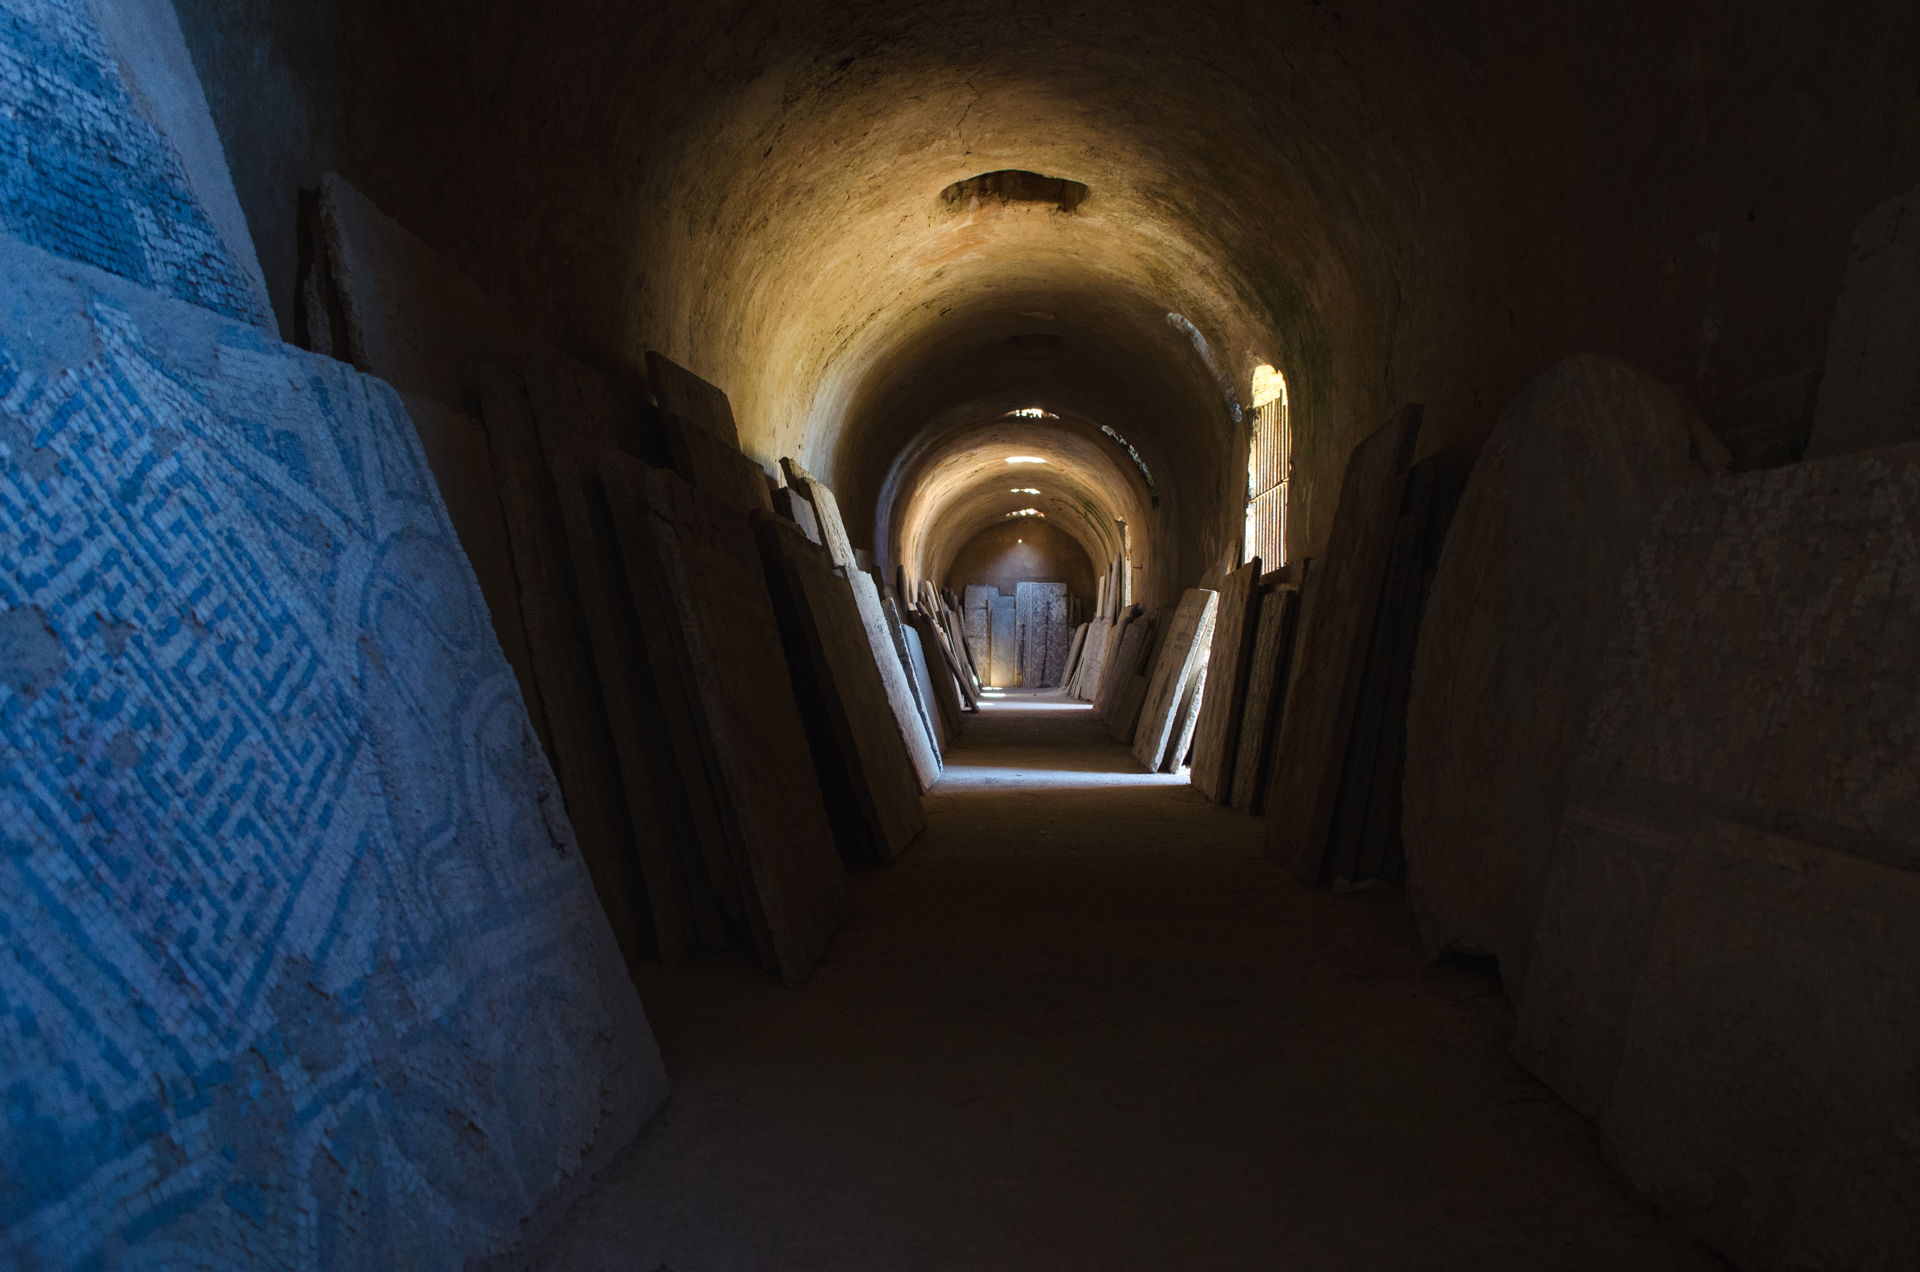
(1335, 627)
(715, 602)
(583, 750)
(1003, 642)
(1040, 611)
(873, 793)
(826, 509)
(715, 467)
(902, 703)
(1522, 604)
(1266, 694)
(579, 419)
(1182, 654)
(1228, 667)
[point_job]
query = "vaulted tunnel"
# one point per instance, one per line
(490, 494)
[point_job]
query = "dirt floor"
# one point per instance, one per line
(1084, 1024)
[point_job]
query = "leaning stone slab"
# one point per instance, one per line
(1522, 603)
(1724, 972)
(288, 898)
(713, 599)
(872, 789)
(1181, 659)
(1869, 392)
(1336, 625)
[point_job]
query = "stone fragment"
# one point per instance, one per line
(798, 509)
(1522, 603)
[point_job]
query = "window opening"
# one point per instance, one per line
(1269, 470)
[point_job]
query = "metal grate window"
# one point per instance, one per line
(1269, 464)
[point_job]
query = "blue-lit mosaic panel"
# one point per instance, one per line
(298, 964)
(84, 175)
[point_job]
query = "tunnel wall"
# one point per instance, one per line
(997, 558)
(298, 963)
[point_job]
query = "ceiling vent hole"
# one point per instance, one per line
(1014, 185)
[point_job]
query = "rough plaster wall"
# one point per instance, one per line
(86, 173)
(300, 967)
(997, 558)
(1392, 201)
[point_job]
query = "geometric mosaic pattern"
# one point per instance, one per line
(298, 964)
(85, 176)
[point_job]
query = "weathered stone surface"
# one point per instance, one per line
(715, 601)
(872, 791)
(923, 682)
(1522, 602)
(99, 135)
(1003, 642)
(1230, 664)
(977, 625)
(1724, 971)
(1093, 658)
(403, 312)
(583, 750)
(1182, 656)
(579, 418)
(798, 509)
(1040, 616)
(248, 671)
(1870, 384)
(687, 397)
(902, 703)
(1336, 625)
(715, 466)
(943, 675)
(1266, 694)
(826, 510)
(903, 648)
(456, 447)
(1126, 650)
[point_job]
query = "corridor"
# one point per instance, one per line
(1085, 1024)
